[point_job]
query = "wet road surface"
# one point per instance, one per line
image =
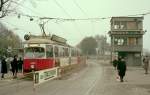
(95, 79)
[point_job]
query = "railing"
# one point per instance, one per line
(128, 48)
(126, 32)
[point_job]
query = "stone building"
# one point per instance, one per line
(127, 38)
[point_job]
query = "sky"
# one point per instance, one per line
(75, 31)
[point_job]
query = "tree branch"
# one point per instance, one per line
(6, 1)
(1, 5)
(2, 2)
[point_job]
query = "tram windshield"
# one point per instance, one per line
(34, 52)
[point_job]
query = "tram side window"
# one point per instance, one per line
(61, 52)
(66, 52)
(56, 51)
(49, 51)
(73, 53)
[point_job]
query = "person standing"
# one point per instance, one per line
(121, 67)
(14, 65)
(8, 61)
(146, 64)
(3, 67)
(0, 63)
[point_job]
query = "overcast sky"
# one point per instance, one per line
(75, 31)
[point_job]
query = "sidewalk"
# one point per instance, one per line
(134, 74)
(137, 76)
(135, 81)
(8, 78)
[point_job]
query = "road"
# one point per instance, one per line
(95, 79)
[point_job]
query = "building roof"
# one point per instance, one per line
(123, 18)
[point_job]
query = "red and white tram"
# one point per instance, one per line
(44, 53)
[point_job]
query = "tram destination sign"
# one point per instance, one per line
(45, 75)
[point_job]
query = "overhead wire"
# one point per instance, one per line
(78, 19)
(23, 6)
(73, 19)
(59, 19)
(86, 15)
(76, 3)
(82, 19)
(59, 5)
(74, 23)
(67, 14)
(38, 21)
(70, 18)
(82, 11)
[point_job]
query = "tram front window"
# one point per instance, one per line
(34, 52)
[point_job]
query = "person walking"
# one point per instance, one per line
(115, 62)
(14, 65)
(121, 67)
(146, 64)
(3, 67)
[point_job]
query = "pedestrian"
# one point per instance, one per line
(3, 67)
(14, 65)
(146, 64)
(20, 63)
(0, 63)
(8, 61)
(115, 62)
(121, 67)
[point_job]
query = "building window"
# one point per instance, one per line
(120, 25)
(132, 41)
(132, 25)
(123, 25)
(116, 25)
(119, 41)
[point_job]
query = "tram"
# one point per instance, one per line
(47, 52)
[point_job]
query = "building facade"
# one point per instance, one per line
(127, 39)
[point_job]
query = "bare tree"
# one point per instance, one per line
(9, 6)
(8, 39)
(4, 7)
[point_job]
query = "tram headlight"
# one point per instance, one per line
(32, 66)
